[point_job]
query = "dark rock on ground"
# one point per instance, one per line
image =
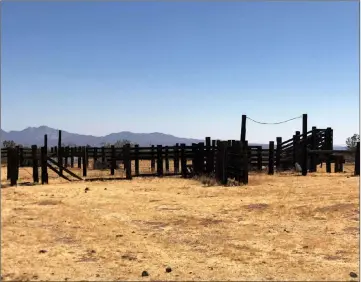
(168, 269)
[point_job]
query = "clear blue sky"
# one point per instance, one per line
(190, 69)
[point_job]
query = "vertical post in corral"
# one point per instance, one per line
(60, 153)
(243, 128)
(278, 153)
(127, 161)
(46, 142)
(84, 159)
(209, 161)
(313, 157)
(304, 147)
(152, 161)
(328, 143)
(357, 159)
(296, 147)
(34, 153)
(136, 159)
(44, 165)
(218, 160)
(159, 161)
(183, 161)
(176, 158)
(200, 163)
(245, 162)
(222, 158)
(166, 158)
(80, 155)
(271, 157)
(8, 163)
(213, 154)
(13, 165)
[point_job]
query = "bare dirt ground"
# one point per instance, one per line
(281, 227)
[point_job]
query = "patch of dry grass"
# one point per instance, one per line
(280, 227)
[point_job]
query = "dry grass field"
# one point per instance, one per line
(281, 227)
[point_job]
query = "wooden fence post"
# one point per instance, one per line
(271, 158)
(127, 161)
(213, 154)
(13, 160)
(34, 152)
(223, 163)
(44, 166)
(313, 157)
(136, 159)
(243, 128)
(60, 154)
(328, 143)
(218, 165)
(152, 161)
(176, 158)
(183, 161)
(209, 161)
(8, 163)
(85, 164)
(245, 162)
(79, 154)
(304, 147)
(166, 152)
(357, 159)
(159, 161)
(296, 147)
(278, 153)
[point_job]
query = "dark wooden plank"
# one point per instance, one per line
(136, 160)
(84, 159)
(57, 172)
(35, 164)
(64, 168)
(183, 161)
(271, 158)
(304, 145)
(166, 159)
(152, 162)
(159, 161)
(176, 159)
(127, 161)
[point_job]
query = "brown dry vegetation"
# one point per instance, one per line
(281, 227)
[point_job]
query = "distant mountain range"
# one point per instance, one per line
(35, 136)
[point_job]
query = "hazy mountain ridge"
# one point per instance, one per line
(35, 136)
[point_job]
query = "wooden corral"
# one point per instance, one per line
(223, 160)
